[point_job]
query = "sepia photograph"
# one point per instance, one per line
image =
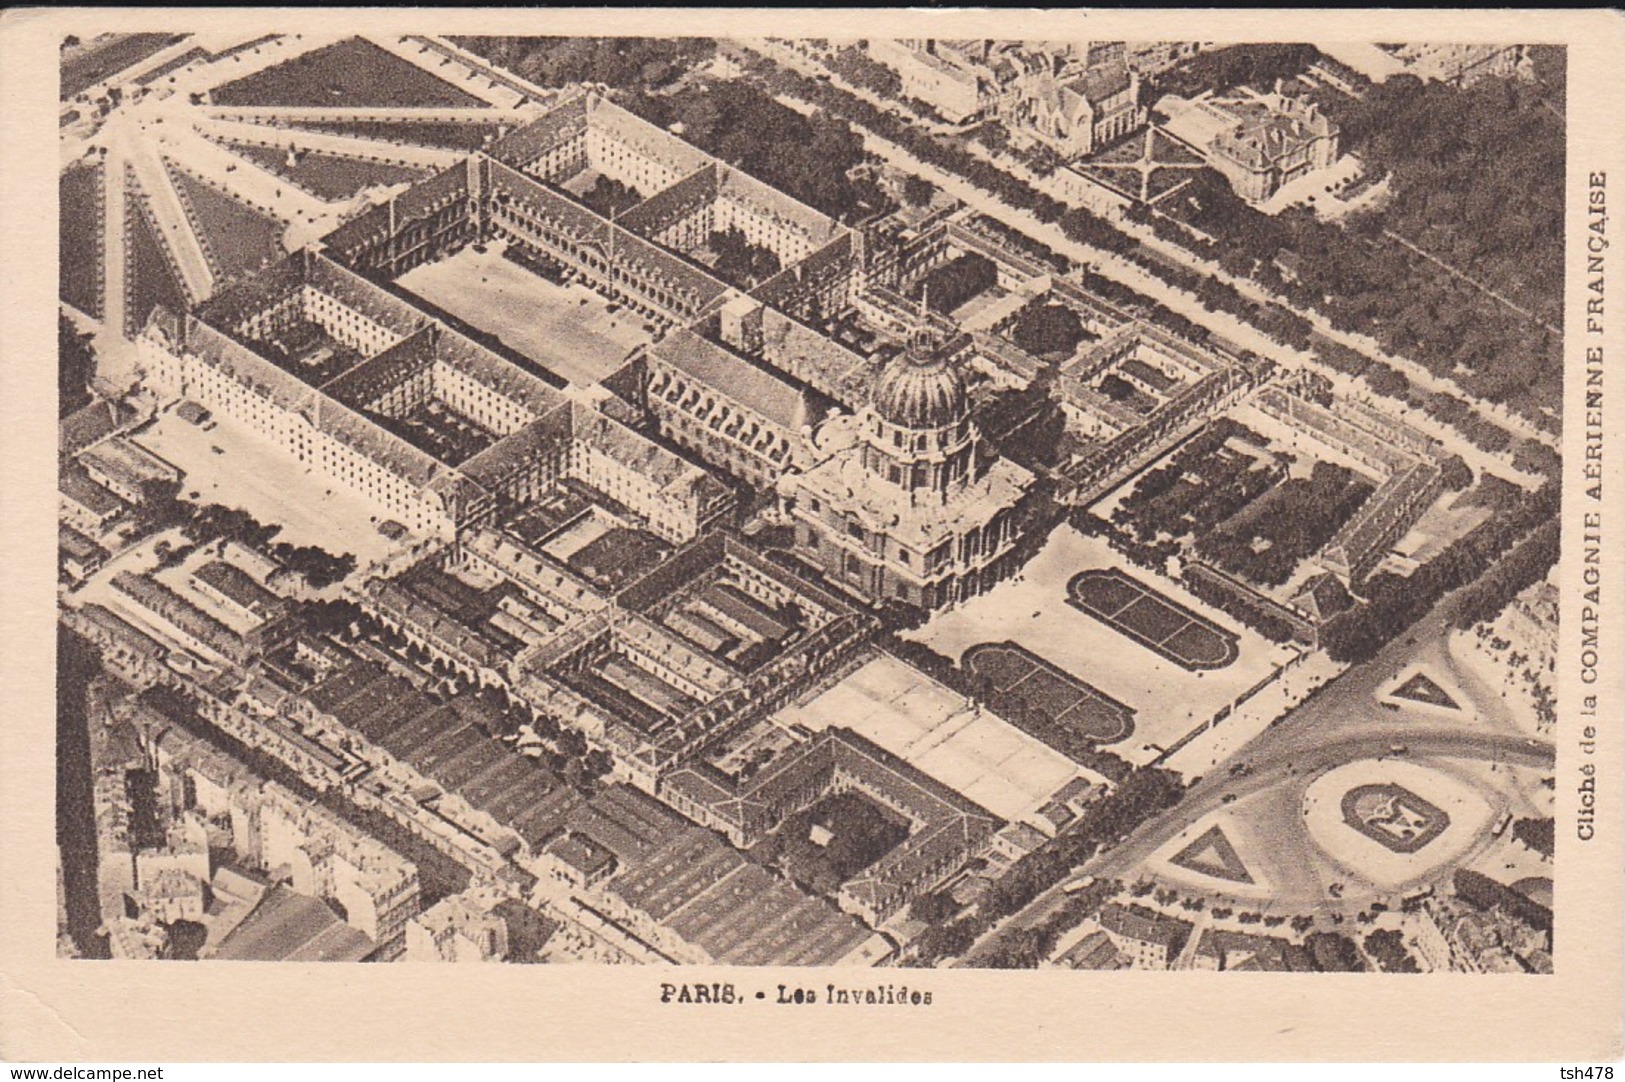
(872, 509)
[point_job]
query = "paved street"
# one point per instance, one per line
(1342, 724)
(1132, 274)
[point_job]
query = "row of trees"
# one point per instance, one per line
(1028, 426)
(1016, 240)
(1145, 792)
(1455, 160)
(1531, 561)
(1538, 834)
(1254, 65)
(858, 68)
(1216, 295)
(1049, 331)
(812, 158)
(1028, 948)
(1244, 606)
(78, 664)
(1442, 406)
(609, 197)
(162, 508)
(1486, 893)
(1123, 297)
(648, 63)
(1395, 602)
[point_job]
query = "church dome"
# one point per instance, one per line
(917, 390)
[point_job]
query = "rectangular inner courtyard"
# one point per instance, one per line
(567, 329)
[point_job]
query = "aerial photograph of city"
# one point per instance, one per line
(906, 503)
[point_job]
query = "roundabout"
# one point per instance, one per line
(1393, 823)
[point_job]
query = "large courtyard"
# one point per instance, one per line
(232, 465)
(935, 729)
(1032, 610)
(566, 329)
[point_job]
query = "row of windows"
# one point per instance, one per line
(311, 446)
(537, 229)
(481, 404)
(786, 242)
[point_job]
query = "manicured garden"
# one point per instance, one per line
(236, 238)
(79, 271)
(351, 72)
(328, 177)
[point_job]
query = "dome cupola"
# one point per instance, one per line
(921, 391)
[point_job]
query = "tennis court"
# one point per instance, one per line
(939, 731)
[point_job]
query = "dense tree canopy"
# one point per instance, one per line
(808, 157)
(75, 365)
(1265, 542)
(617, 62)
(1049, 329)
(1472, 178)
(918, 192)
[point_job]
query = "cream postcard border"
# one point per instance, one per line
(60, 1010)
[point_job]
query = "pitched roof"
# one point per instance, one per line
(732, 376)
(290, 927)
(1145, 925)
(88, 425)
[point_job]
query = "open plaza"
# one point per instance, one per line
(1032, 609)
(567, 329)
(231, 465)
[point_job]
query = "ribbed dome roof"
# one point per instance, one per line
(917, 390)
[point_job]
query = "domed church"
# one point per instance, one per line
(907, 502)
